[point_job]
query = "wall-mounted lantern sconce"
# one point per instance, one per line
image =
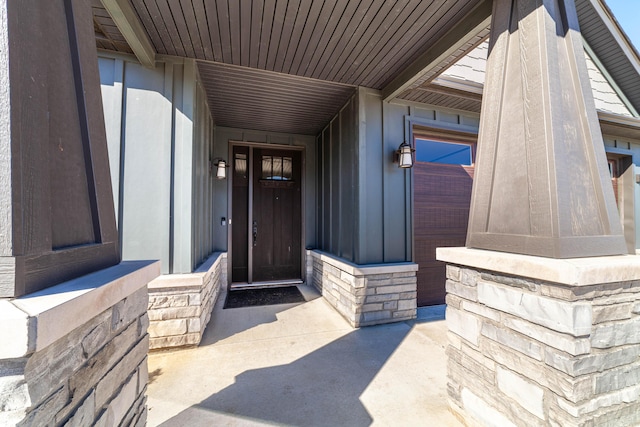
(404, 155)
(221, 167)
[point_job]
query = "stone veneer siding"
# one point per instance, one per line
(84, 359)
(365, 294)
(180, 305)
(527, 351)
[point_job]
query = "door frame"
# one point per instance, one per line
(234, 143)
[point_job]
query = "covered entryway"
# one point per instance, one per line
(301, 365)
(266, 216)
(443, 177)
(313, 76)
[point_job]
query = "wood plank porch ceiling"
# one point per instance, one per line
(243, 97)
(350, 42)
(356, 42)
(290, 65)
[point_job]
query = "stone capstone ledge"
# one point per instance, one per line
(574, 271)
(33, 322)
(365, 295)
(180, 305)
(535, 346)
(87, 352)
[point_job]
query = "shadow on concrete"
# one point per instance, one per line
(241, 320)
(153, 375)
(433, 313)
(320, 389)
(237, 320)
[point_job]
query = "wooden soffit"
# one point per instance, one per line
(242, 97)
(361, 43)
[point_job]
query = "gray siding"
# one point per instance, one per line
(396, 188)
(384, 220)
(365, 200)
(159, 134)
(203, 178)
(370, 179)
(337, 198)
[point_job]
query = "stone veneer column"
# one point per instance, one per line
(75, 354)
(543, 342)
(180, 305)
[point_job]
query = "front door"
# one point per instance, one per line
(266, 219)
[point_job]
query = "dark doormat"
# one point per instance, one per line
(265, 296)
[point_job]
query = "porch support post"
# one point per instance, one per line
(541, 185)
(543, 306)
(536, 341)
(73, 319)
(57, 220)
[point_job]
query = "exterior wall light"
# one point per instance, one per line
(221, 167)
(404, 155)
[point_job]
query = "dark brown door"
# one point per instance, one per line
(276, 215)
(442, 197)
(267, 232)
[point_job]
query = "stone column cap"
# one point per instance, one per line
(363, 269)
(571, 271)
(32, 322)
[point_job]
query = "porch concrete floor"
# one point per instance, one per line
(302, 365)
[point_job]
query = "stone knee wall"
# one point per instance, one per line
(527, 352)
(95, 374)
(180, 305)
(365, 295)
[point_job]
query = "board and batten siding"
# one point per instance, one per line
(159, 132)
(204, 180)
(337, 147)
(401, 119)
(364, 199)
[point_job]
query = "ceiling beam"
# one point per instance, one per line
(466, 29)
(132, 30)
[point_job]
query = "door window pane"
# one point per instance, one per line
(241, 165)
(267, 167)
(275, 168)
(287, 172)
